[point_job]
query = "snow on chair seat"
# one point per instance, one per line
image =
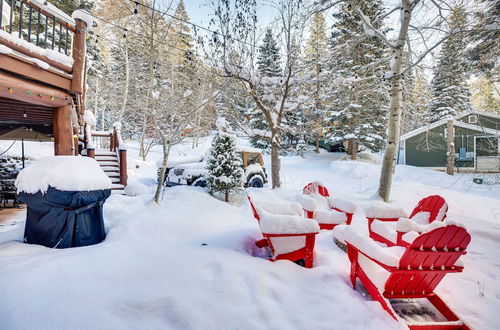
(392, 274)
(383, 219)
(289, 237)
(328, 211)
(275, 207)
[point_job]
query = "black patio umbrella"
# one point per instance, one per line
(24, 134)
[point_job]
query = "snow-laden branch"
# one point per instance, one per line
(369, 28)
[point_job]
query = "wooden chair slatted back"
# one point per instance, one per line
(427, 260)
(431, 204)
(316, 188)
(254, 210)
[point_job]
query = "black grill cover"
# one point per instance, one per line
(63, 219)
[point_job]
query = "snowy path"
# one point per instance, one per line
(191, 263)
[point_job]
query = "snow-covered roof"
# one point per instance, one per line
(66, 173)
(455, 123)
(480, 113)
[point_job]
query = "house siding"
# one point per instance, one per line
(428, 149)
(483, 121)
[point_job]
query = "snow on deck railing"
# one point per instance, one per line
(39, 23)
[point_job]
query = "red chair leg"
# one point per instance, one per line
(374, 292)
(309, 257)
(262, 243)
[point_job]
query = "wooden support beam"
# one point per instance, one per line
(19, 87)
(79, 50)
(23, 67)
(123, 167)
(63, 133)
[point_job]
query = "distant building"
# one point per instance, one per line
(477, 143)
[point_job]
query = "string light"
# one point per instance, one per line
(29, 93)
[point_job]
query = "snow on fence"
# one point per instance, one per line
(39, 28)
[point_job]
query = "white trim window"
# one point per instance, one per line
(472, 119)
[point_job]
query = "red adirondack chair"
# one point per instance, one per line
(392, 275)
(328, 211)
(289, 237)
(292, 245)
(385, 230)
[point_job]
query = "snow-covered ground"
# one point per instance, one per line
(191, 262)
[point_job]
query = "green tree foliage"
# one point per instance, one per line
(450, 91)
(225, 169)
(269, 66)
(485, 53)
(359, 97)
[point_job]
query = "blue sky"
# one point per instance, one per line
(200, 13)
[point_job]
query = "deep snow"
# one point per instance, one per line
(191, 262)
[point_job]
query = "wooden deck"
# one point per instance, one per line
(12, 222)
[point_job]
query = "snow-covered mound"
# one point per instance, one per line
(66, 173)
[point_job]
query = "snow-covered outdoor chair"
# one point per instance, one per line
(289, 237)
(392, 227)
(326, 210)
(275, 207)
(403, 279)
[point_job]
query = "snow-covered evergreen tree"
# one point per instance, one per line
(268, 64)
(451, 94)
(485, 54)
(225, 169)
(416, 96)
(268, 60)
(358, 110)
(315, 79)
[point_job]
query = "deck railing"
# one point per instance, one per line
(39, 23)
(112, 141)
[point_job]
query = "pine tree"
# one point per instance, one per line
(416, 96)
(268, 64)
(268, 60)
(225, 170)
(484, 54)
(451, 94)
(315, 79)
(181, 37)
(358, 110)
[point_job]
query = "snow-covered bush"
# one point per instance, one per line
(225, 170)
(301, 148)
(135, 189)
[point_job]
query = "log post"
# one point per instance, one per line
(78, 52)
(75, 145)
(63, 135)
(123, 166)
(112, 139)
(91, 152)
(450, 154)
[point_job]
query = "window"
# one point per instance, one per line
(472, 119)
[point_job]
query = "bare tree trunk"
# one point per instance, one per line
(352, 148)
(226, 198)
(395, 108)
(317, 145)
(450, 155)
(275, 160)
(166, 151)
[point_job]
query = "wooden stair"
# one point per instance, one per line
(109, 163)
